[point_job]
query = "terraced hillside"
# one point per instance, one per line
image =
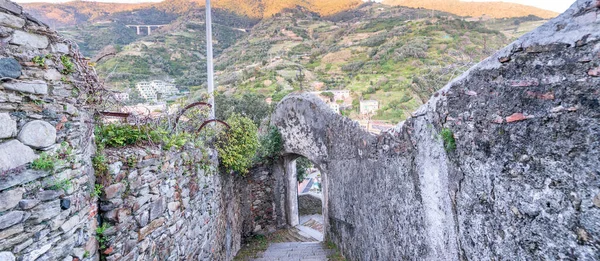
(398, 56)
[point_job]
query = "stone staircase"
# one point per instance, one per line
(295, 251)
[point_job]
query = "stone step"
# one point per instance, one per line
(295, 251)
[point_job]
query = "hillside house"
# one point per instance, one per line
(368, 107)
(146, 91)
(151, 90)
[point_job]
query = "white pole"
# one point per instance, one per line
(209, 60)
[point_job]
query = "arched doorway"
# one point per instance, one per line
(295, 189)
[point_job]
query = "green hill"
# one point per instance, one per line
(398, 56)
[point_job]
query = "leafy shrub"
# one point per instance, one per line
(353, 67)
(238, 145)
(115, 135)
(270, 145)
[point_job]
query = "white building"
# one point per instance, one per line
(368, 106)
(338, 95)
(151, 90)
(121, 96)
(164, 88)
(146, 90)
(335, 107)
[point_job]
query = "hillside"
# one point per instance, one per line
(396, 55)
(176, 51)
(475, 9)
(378, 52)
(76, 12)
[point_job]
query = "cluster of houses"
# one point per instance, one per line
(341, 99)
(152, 91)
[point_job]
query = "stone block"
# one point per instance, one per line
(8, 126)
(70, 224)
(157, 208)
(10, 68)
(6, 233)
(11, 20)
(7, 256)
(52, 75)
(30, 40)
(145, 231)
(10, 199)
(14, 154)
(59, 48)
(34, 87)
(11, 218)
(114, 190)
(34, 254)
(48, 195)
(28, 203)
(38, 134)
(45, 211)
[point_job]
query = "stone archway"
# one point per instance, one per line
(310, 129)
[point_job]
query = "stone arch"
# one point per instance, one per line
(309, 128)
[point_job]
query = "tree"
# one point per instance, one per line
(250, 105)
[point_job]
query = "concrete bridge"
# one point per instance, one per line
(148, 26)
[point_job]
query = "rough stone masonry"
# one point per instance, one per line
(46, 213)
(522, 183)
(158, 204)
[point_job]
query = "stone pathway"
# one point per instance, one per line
(295, 251)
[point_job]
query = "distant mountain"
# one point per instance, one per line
(78, 12)
(476, 9)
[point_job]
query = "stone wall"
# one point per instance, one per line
(46, 212)
(258, 206)
(164, 205)
(521, 182)
(309, 204)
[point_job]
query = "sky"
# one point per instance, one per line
(558, 6)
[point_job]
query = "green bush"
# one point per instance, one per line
(270, 145)
(237, 146)
(114, 135)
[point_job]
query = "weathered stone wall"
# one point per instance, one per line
(521, 184)
(258, 206)
(309, 204)
(45, 214)
(162, 204)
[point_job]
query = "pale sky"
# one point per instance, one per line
(558, 6)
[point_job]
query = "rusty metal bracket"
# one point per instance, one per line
(214, 120)
(195, 104)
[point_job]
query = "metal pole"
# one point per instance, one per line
(209, 60)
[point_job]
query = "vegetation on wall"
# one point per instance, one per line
(238, 146)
